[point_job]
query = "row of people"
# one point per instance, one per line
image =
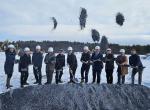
(57, 63)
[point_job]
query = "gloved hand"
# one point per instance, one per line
(24, 69)
(35, 67)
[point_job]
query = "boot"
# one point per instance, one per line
(35, 82)
(70, 81)
(46, 83)
(8, 83)
(26, 83)
(22, 86)
(82, 81)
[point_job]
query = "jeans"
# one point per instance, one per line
(38, 74)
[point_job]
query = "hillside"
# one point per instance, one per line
(77, 97)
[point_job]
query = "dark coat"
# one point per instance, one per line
(37, 59)
(109, 60)
(97, 65)
(72, 61)
(9, 62)
(86, 57)
(24, 62)
(50, 61)
(134, 60)
(60, 61)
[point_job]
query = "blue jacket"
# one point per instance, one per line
(9, 63)
(97, 65)
(37, 59)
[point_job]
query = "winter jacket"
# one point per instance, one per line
(60, 61)
(134, 60)
(72, 61)
(9, 62)
(37, 59)
(122, 60)
(50, 61)
(109, 60)
(24, 62)
(86, 57)
(97, 65)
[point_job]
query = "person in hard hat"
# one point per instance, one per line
(122, 70)
(97, 63)
(50, 60)
(109, 65)
(24, 63)
(136, 65)
(9, 63)
(72, 63)
(60, 63)
(85, 59)
(37, 60)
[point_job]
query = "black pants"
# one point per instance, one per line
(24, 77)
(85, 72)
(49, 75)
(109, 76)
(139, 71)
(72, 72)
(121, 78)
(97, 73)
(9, 70)
(9, 75)
(38, 74)
(58, 76)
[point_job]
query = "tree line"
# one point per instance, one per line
(78, 46)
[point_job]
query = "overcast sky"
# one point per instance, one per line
(30, 20)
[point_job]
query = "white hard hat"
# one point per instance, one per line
(11, 46)
(38, 47)
(122, 50)
(50, 49)
(70, 48)
(86, 48)
(109, 49)
(97, 47)
(27, 49)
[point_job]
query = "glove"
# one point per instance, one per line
(35, 67)
(24, 69)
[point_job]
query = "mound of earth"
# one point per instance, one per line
(77, 97)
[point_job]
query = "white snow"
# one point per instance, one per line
(148, 58)
(16, 75)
